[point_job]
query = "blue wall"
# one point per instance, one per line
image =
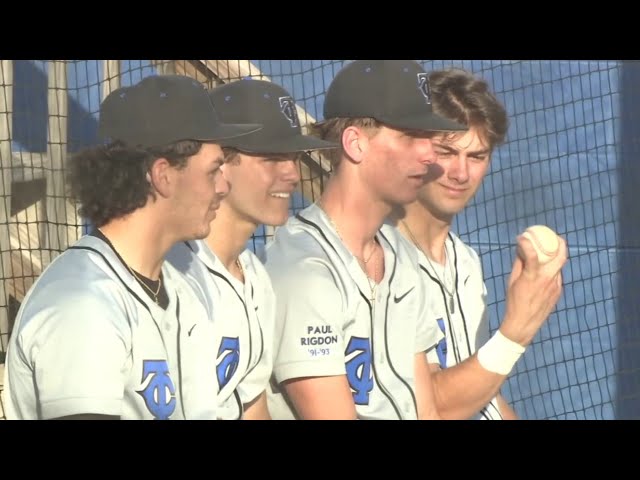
(570, 162)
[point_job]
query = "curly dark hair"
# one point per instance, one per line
(460, 96)
(111, 181)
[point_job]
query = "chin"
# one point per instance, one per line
(405, 199)
(276, 220)
(202, 233)
(452, 210)
(276, 217)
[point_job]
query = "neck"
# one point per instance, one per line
(355, 212)
(229, 235)
(419, 226)
(141, 241)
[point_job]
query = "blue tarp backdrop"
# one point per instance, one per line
(570, 162)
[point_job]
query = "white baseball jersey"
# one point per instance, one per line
(243, 316)
(88, 339)
(326, 323)
(466, 325)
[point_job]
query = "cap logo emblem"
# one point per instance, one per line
(288, 109)
(423, 86)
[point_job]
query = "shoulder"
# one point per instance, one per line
(181, 257)
(399, 243)
(183, 264)
(86, 266)
(298, 242)
(307, 231)
(253, 263)
(188, 276)
(309, 269)
(406, 254)
(294, 235)
(75, 293)
(465, 252)
(256, 272)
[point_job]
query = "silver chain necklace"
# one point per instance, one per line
(450, 292)
(371, 281)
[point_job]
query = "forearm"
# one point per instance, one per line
(427, 408)
(257, 409)
(506, 411)
(322, 398)
(463, 390)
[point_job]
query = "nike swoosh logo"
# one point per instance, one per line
(398, 299)
(191, 329)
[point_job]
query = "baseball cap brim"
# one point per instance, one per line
(205, 134)
(428, 122)
(224, 131)
(291, 144)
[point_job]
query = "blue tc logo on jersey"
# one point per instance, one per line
(159, 394)
(228, 364)
(441, 348)
(359, 372)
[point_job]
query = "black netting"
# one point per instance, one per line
(570, 162)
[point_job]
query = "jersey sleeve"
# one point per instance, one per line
(308, 340)
(75, 340)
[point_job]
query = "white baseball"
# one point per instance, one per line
(544, 240)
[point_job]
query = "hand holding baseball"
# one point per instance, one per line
(534, 286)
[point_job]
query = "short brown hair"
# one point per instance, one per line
(460, 96)
(332, 130)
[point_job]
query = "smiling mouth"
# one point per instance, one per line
(280, 195)
(453, 189)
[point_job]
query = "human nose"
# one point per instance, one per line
(459, 168)
(289, 171)
(221, 185)
(427, 154)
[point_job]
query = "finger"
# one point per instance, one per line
(528, 253)
(563, 251)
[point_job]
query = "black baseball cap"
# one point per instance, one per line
(394, 92)
(163, 109)
(259, 101)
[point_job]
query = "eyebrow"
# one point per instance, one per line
(475, 153)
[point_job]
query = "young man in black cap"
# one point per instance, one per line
(469, 365)
(110, 330)
(349, 316)
(262, 172)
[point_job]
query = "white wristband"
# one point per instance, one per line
(500, 354)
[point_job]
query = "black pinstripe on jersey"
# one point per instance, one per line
(146, 307)
(246, 313)
(451, 337)
(383, 389)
